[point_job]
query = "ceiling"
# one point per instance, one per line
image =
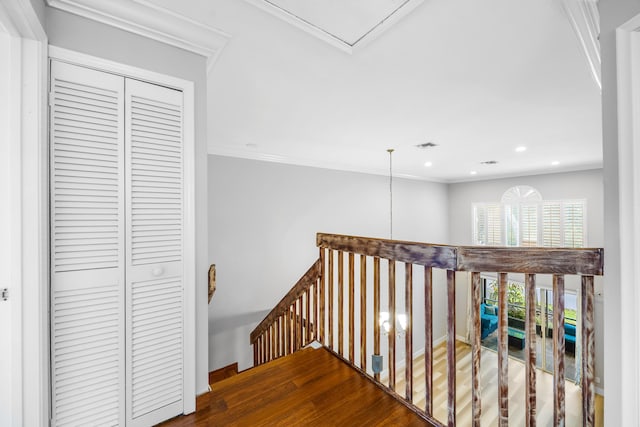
(478, 79)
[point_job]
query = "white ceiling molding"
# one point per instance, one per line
(334, 40)
(585, 20)
(146, 19)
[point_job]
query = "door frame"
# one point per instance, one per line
(189, 252)
(628, 95)
(30, 284)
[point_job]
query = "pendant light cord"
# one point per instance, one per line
(390, 150)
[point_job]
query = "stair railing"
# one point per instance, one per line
(314, 309)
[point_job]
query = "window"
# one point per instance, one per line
(523, 218)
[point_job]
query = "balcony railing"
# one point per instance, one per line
(339, 299)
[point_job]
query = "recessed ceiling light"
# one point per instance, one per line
(473, 172)
(521, 149)
(428, 164)
(555, 163)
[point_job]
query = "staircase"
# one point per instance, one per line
(311, 387)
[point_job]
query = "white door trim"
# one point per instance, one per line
(187, 88)
(628, 92)
(31, 254)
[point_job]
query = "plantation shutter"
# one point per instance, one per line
(552, 224)
(87, 246)
(494, 225)
(529, 225)
(573, 216)
(154, 261)
(480, 224)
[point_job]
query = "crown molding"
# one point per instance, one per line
(149, 20)
(349, 47)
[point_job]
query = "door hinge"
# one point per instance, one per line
(5, 294)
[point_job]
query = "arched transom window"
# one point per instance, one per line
(524, 218)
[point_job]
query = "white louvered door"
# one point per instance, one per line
(116, 249)
(154, 259)
(87, 246)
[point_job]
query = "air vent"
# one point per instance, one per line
(489, 162)
(427, 145)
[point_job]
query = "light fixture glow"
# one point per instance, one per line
(473, 172)
(555, 163)
(521, 149)
(428, 164)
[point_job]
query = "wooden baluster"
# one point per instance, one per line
(451, 346)
(272, 333)
(408, 306)
(503, 349)
(255, 353)
(300, 323)
(307, 320)
(266, 345)
(376, 311)
(392, 325)
(279, 337)
(259, 345)
(316, 311)
(340, 302)
(330, 314)
(363, 313)
(321, 318)
(476, 347)
(530, 349)
(292, 327)
(352, 307)
(295, 326)
(285, 332)
(588, 351)
(558, 351)
(428, 341)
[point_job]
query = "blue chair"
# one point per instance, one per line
(488, 319)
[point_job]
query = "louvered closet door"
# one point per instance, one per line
(87, 242)
(154, 285)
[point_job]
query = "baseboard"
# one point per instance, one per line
(223, 373)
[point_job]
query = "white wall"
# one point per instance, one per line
(75, 33)
(263, 218)
(621, 404)
(571, 185)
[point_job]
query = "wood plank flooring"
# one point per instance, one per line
(315, 388)
(489, 386)
(308, 388)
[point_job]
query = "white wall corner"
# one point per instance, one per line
(148, 20)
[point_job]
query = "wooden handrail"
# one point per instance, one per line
(314, 309)
(584, 261)
(309, 278)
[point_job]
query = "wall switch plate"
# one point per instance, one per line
(376, 363)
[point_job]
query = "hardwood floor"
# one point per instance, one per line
(489, 384)
(314, 388)
(310, 388)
